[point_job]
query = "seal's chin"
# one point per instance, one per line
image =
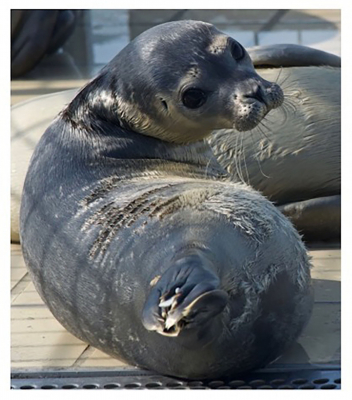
(249, 115)
(244, 126)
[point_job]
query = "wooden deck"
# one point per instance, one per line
(39, 342)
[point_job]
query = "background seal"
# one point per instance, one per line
(294, 157)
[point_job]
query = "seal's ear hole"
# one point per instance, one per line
(237, 50)
(163, 102)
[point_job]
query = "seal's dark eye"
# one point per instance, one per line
(237, 50)
(193, 98)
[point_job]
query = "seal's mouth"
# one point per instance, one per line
(249, 115)
(252, 107)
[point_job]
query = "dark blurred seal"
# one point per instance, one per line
(37, 33)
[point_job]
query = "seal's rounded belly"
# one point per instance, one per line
(135, 237)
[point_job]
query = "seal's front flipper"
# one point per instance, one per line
(318, 219)
(291, 55)
(186, 296)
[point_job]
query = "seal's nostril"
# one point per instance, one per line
(258, 94)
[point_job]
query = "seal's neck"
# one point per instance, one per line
(94, 108)
(94, 118)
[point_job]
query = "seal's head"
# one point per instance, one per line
(181, 80)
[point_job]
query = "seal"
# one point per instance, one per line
(136, 238)
(294, 156)
(311, 199)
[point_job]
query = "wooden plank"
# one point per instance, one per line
(45, 354)
(36, 325)
(31, 339)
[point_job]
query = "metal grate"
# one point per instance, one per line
(328, 377)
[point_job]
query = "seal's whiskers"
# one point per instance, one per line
(256, 158)
(262, 132)
(278, 76)
(288, 105)
(284, 80)
(266, 127)
(206, 168)
(244, 161)
(238, 159)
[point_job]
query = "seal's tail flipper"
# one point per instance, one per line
(186, 296)
(291, 55)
